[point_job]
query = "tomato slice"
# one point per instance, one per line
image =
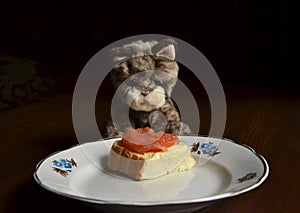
(147, 140)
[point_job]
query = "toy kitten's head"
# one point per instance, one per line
(146, 73)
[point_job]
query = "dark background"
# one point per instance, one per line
(249, 43)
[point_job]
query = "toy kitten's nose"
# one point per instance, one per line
(145, 92)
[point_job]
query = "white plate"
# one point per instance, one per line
(234, 169)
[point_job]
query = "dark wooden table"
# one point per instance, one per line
(268, 121)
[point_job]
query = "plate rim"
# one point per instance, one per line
(202, 200)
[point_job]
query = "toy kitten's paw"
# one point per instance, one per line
(185, 129)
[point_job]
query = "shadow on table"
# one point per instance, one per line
(30, 197)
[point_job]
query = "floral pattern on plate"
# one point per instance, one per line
(205, 150)
(248, 176)
(64, 166)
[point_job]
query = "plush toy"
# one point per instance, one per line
(144, 76)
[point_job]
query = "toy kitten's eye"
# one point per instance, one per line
(157, 82)
(132, 82)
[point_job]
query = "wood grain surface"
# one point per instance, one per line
(268, 121)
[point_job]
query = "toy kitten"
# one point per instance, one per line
(145, 74)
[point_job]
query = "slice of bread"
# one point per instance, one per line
(150, 164)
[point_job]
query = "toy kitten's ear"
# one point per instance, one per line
(165, 48)
(119, 54)
(168, 52)
(117, 59)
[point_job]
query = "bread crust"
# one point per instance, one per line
(123, 151)
(150, 164)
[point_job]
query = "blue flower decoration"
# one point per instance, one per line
(62, 164)
(57, 164)
(208, 148)
(205, 146)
